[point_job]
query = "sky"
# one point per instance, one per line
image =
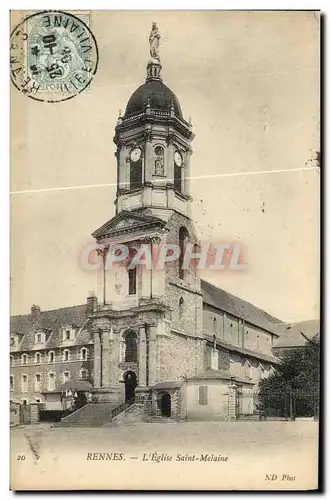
(249, 81)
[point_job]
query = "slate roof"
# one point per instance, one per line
(76, 385)
(297, 334)
(220, 375)
(231, 304)
(157, 94)
(247, 352)
(171, 384)
(53, 321)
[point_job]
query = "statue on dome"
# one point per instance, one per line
(154, 42)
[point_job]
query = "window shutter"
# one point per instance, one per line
(177, 178)
(136, 175)
(203, 395)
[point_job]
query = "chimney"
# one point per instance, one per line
(91, 303)
(35, 313)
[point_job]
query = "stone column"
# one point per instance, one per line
(148, 162)
(34, 413)
(122, 168)
(186, 173)
(169, 157)
(232, 401)
(152, 355)
(105, 358)
(142, 357)
(97, 359)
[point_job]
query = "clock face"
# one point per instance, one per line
(177, 158)
(135, 154)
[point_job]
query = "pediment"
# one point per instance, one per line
(127, 221)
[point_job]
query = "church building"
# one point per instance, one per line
(157, 338)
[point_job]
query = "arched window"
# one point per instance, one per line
(215, 324)
(66, 376)
(131, 281)
(24, 359)
(51, 377)
(11, 360)
(130, 346)
(24, 383)
(84, 354)
(66, 355)
(84, 374)
(51, 357)
(135, 171)
(37, 358)
(11, 382)
(37, 382)
(183, 238)
(178, 169)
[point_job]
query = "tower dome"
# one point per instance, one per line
(155, 94)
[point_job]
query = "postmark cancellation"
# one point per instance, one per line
(53, 55)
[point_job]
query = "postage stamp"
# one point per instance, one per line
(53, 55)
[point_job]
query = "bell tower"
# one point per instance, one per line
(148, 322)
(153, 147)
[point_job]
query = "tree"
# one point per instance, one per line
(293, 388)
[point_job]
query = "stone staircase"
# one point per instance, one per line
(131, 414)
(92, 415)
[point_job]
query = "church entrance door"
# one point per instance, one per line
(130, 385)
(166, 405)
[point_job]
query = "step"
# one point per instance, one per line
(90, 415)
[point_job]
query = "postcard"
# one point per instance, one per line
(165, 172)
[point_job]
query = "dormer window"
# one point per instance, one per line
(15, 340)
(68, 333)
(39, 338)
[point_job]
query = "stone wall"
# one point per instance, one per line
(223, 358)
(34, 413)
(180, 356)
(14, 413)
